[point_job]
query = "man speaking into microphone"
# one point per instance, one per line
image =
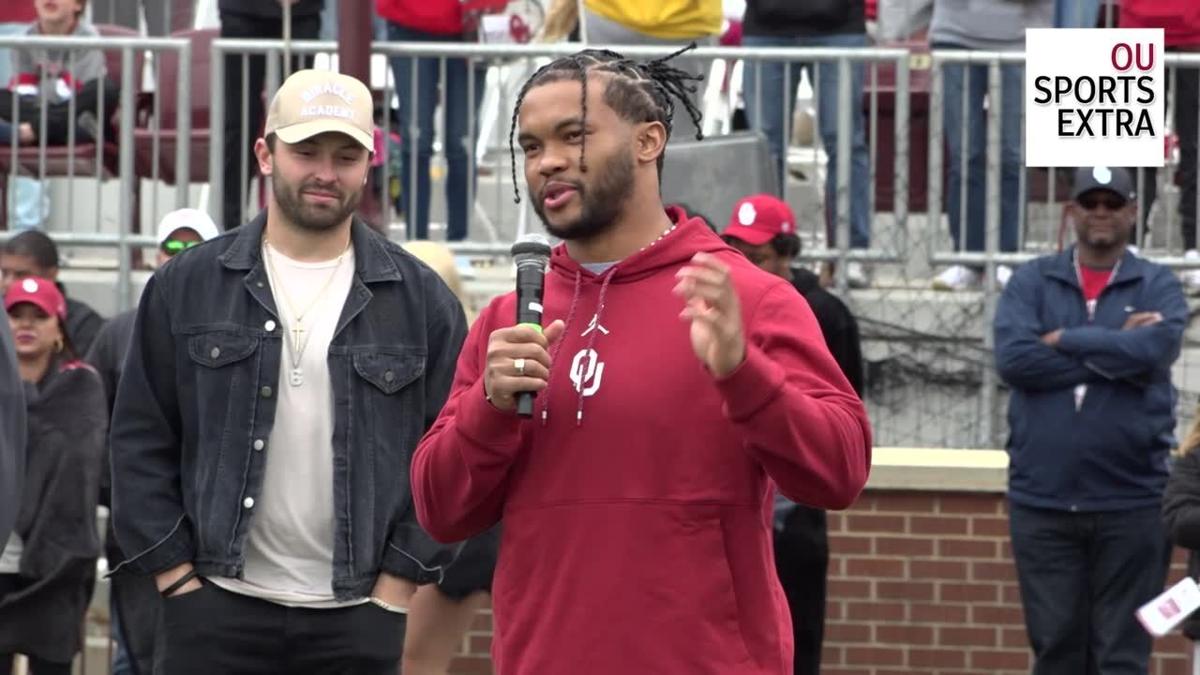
(676, 386)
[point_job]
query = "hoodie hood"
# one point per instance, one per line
(687, 237)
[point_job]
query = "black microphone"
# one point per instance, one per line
(531, 253)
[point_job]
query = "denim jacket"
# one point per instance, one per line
(196, 404)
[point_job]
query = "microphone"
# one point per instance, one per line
(531, 254)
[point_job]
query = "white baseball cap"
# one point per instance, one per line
(312, 102)
(193, 219)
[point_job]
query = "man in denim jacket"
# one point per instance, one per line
(277, 383)
(1085, 339)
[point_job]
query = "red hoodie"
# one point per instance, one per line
(441, 17)
(1179, 19)
(636, 535)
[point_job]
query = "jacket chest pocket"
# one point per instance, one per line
(220, 349)
(390, 372)
(224, 375)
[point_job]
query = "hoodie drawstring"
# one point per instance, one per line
(592, 342)
(558, 346)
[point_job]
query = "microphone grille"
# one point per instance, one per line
(532, 244)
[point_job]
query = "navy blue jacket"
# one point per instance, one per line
(1109, 452)
(196, 402)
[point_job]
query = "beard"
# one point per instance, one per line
(601, 201)
(310, 216)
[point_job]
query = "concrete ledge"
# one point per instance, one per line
(939, 470)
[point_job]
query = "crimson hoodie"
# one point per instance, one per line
(1179, 19)
(637, 501)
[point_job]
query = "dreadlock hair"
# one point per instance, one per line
(639, 92)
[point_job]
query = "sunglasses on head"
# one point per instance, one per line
(1110, 201)
(173, 246)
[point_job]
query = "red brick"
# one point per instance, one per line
(906, 635)
(482, 621)
(973, 504)
(982, 570)
(875, 567)
(1010, 594)
(955, 592)
(905, 590)
(966, 636)
(831, 654)
(997, 615)
(848, 632)
(938, 570)
(876, 611)
(937, 613)
(993, 661)
(984, 526)
(1167, 666)
(904, 502)
(966, 548)
(1014, 638)
(833, 610)
(874, 656)
(842, 544)
(479, 644)
(844, 588)
(903, 546)
(846, 671)
(930, 659)
(870, 522)
(938, 525)
(835, 522)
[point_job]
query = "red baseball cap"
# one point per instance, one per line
(758, 219)
(39, 292)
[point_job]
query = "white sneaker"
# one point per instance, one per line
(956, 278)
(1191, 278)
(1003, 274)
(857, 275)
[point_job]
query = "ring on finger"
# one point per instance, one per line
(519, 364)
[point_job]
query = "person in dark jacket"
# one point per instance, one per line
(48, 564)
(12, 433)
(136, 607)
(1085, 339)
(278, 380)
(763, 228)
(33, 254)
(253, 19)
(1181, 511)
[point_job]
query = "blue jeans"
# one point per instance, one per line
(770, 103)
(975, 87)
(417, 125)
(1082, 577)
(1076, 13)
(122, 664)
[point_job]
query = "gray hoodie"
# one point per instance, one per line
(12, 433)
(991, 25)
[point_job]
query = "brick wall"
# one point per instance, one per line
(919, 583)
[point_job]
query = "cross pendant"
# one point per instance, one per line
(297, 339)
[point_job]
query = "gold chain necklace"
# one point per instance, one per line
(299, 335)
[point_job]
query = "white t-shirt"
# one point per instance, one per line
(10, 556)
(289, 551)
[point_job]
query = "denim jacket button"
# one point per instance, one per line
(259, 445)
(269, 326)
(265, 392)
(248, 502)
(389, 376)
(215, 353)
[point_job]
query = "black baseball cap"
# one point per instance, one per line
(1112, 178)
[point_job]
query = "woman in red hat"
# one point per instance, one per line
(48, 564)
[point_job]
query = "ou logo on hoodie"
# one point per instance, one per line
(586, 372)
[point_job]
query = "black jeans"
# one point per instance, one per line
(211, 631)
(139, 607)
(239, 148)
(11, 583)
(1082, 577)
(58, 115)
(802, 561)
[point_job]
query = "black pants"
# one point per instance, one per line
(58, 115)
(213, 631)
(239, 148)
(1082, 578)
(11, 583)
(802, 561)
(139, 607)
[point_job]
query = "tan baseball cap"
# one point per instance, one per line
(312, 102)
